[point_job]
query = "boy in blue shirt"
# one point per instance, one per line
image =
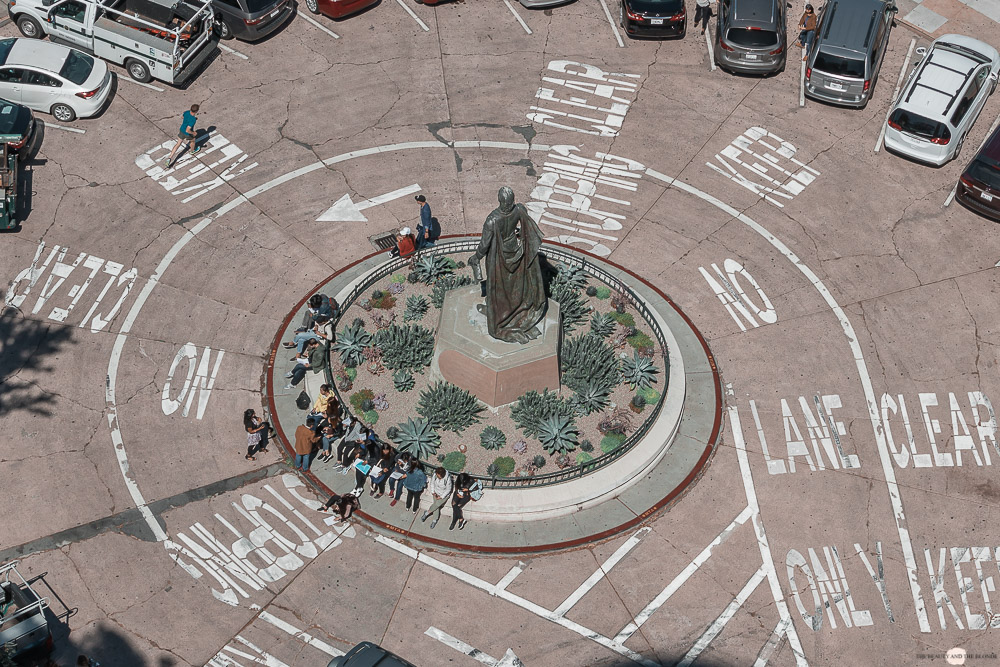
(186, 133)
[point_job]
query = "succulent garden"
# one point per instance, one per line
(612, 373)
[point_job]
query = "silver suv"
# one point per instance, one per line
(851, 40)
(750, 38)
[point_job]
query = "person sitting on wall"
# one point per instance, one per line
(406, 244)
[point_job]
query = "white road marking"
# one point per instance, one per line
(678, 581)
(128, 79)
(717, 626)
(517, 600)
(802, 85)
(772, 643)
(345, 210)
(511, 576)
(895, 93)
(319, 25)
(508, 660)
(63, 127)
(762, 543)
(866, 383)
(614, 27)
(601, 572)
(517, 16)
(989, 133)
(711, 51)
(233, 51)
(299, 634)
(413, 14)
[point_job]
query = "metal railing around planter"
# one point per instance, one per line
(567, 257)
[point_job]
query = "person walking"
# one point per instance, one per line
(305, 439)
(441, 487)
(404, 463)
(415, 483)
(460, 499)
(807, 31)
(257, 432)
(187, 134)
(425, 228)
(702, 12)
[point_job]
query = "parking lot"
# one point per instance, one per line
(848, 512)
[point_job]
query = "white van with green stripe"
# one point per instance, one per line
(167, 40)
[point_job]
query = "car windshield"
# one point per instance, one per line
(257, 6)
(985, 171)
(917, 125)
(751, 38)
(831, 64)
(5, 46)
(77, 67)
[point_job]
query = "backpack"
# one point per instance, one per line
(476, 490)
(303, 401)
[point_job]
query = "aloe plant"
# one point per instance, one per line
(639, 372)
(402, 380)
(558, 434)
(431, 267)
(418, 438)
(449, 407)
(416, 307)
(532, 408)
(407, 348)
(602, 324)
(351, 344)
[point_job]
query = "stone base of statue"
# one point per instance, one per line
(495, 372)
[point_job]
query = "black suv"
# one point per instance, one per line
(250, 20)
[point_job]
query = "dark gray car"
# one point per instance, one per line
(250, 20)
(750, 37)
(367, 654)
(851, 40)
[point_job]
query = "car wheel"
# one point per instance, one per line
(223, 30)
(29, 27)
(63, 113)
(138, 70)
(312, 6)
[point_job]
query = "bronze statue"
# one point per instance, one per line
(515, 294)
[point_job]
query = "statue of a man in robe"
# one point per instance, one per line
(515, 294)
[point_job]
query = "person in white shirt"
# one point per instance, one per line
(440, 487)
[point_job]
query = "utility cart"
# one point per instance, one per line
(23, 625)
(8, 181)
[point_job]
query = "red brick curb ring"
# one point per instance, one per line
(325, 491)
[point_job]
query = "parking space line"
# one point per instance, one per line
(413, 14)
(895, 93)
(234, 52)
(318, 25)
(802, 85)
(618, 36)
(600, 572)
(989, 133)
(724, 618)
(517, 16)
(63, 127)
(128, 79)
(711, 51)
(299, 634)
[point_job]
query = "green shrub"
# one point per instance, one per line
(586, 446)
(612, 441)
(504, 466)
(533, 408)
(352, 373)
(538, 462)
(583, 457)
(624, 319)
(449, 407)
(572, 309)
(358, 398)
(405, 347)
(398, 278)
(454, 462)
(446, 284)
(639, 340)
(591, 291)
(452, 264)
(492, 438)
(371, 417)
(650, 394)
(603, 292)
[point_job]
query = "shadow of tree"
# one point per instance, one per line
(27, 345)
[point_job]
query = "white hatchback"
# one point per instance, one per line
(53, 78)
(942, 99)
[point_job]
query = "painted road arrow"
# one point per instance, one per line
(346, 210)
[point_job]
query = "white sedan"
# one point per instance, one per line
(52, 78)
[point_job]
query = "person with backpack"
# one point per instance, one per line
(415, 483)
(459, 499)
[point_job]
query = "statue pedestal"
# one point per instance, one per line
(495, 372)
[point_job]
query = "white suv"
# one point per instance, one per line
(942, 99)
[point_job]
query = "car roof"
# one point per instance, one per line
(36, 53)
(754, 11)
(941, 80)
(845, 21)
(991, 148)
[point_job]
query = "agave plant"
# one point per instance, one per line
(418, 438)
(449, 407)
(567, 278)
(351, 344)
(533, 408)
(572, 308)
(588, 363)
(431, 267)
(602, 324)
(402, 380)
(407, 348)
(639, 372)
(416, 307)
(592, 398)
(558, 434)
(538, 462)
(492, 438)
(444, 285)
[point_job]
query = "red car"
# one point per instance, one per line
(979, 187)
(338, 9)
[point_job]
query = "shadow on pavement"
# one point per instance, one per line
(27, 345)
